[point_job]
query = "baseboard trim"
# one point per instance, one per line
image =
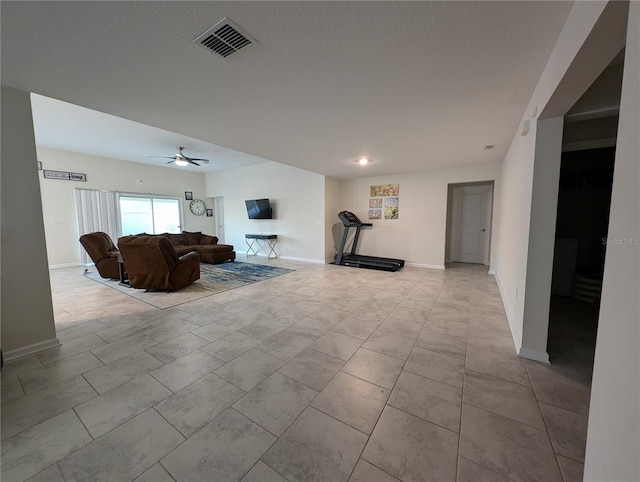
(290, 258)
(421, 265)
(30, 349)
(67, 265)
(244, 253)
(508, 310)
(305, 260)
(541, 356)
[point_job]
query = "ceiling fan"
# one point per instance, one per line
(181, 160)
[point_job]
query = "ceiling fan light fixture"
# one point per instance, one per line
(181, 160)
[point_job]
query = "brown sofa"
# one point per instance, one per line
(206, 246)
(102, 252)
(152, 263)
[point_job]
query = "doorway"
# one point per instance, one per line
(584, 199)
(582, 222)
(469, 215)
(219, 218)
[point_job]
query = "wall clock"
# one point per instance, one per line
(197, 207)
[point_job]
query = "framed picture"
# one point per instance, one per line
(209, 212)
(188, 195)
(391, 208)
(385, 190)
(375, 213)
(375, 203)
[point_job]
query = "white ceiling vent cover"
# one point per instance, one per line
(224, 38)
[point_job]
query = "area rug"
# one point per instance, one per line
(213, 279)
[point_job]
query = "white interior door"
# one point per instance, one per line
(471, 224)
(219, 218)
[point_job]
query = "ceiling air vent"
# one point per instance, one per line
(224, 38)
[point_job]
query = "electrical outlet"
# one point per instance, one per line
(413, 249)
(318, 221)
(516, 293)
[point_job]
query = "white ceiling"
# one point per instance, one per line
(60, 125)
(413, 85)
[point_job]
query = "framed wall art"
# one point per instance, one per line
(391, 205)
(385, 190)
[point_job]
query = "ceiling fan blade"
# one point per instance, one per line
(164, 157)
(194, 163)
(171, 161)
(195, 158)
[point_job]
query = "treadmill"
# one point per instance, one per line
(350, 220)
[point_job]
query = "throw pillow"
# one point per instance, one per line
(192, 238)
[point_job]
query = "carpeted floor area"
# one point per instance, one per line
(213, 279)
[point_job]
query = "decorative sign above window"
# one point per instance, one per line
(65, 176)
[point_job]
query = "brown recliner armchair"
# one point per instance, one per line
(152, 263)
(102, 252)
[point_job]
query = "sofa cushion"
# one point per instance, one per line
(212, 248)
(206, 239)
(178, 239)
(192, 238)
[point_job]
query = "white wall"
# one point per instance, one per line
(422, 215)
(512, 234)
(27, 313)
(58, 203)
(613, 437)
(298, 201)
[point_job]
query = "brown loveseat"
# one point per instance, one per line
(206, 246)
(102, 252)
(152, 263)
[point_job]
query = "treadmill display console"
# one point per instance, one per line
(351, 220)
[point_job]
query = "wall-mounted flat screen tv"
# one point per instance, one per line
(259, 209)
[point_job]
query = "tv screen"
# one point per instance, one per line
(258, 209)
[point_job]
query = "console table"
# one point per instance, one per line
(271, 239)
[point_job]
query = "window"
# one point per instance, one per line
(152, 215)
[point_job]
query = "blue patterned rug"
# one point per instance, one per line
(236, 274)
(213, 279)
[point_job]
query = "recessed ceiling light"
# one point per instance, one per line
(363, 161)
(489, 147)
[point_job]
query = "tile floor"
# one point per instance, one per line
(327, 373)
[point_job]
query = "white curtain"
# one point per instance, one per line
(97, 211)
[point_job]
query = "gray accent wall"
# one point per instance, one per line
(26, 310)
